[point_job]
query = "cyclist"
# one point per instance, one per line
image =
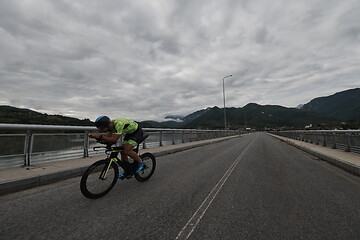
(134, 135)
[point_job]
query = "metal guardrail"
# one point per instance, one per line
(347, 140)
(36, 146)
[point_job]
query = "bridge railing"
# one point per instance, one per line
(347, 140)
(25, 145)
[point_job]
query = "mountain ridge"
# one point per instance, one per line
(343, 105)
(322, 112)
(14, 115)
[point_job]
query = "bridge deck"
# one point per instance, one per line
(21, 178)
(251, 187)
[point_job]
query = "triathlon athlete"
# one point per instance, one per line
(134, 135)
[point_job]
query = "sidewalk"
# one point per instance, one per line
(21, 178)
(348, 161)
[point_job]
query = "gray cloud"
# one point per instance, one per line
(147, 59)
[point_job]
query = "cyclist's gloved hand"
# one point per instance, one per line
(99, 140)
(98, 137)
(95, 135)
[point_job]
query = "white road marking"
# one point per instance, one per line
(190, 226)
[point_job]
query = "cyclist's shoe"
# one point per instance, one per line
(140, 167)
(122, 176)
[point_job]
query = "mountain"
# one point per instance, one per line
(15, 115)
(259, 116)
(187, 118)
(195, 115)
(324, 112)
(176, 121)
(155, 124)
(175, 117)
(299, 106)
(343, 105)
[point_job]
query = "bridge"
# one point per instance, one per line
(247, 186)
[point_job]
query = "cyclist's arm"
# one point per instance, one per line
(110, 138)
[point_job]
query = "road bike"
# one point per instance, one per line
(100, 177)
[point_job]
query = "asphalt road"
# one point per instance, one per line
(251, 187)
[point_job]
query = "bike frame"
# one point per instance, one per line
(113, 157)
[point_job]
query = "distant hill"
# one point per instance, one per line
(342, 105)
(258, 116)
(323, 112)
(176, 122)
(15, 115)
(155, 124)
(187, 118)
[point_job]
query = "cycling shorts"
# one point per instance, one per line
(134, 138)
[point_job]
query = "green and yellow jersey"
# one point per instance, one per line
(123, 125)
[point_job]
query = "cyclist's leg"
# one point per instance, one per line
(127, 167)
(128, 150)
(132, 140)
(124, 157)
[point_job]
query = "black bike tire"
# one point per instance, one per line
(83, 186)
(152, 157)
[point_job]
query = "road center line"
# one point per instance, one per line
(190, 226)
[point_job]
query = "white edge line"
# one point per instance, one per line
(222, 182)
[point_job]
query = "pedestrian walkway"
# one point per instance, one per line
(349, 161)
(21, 178)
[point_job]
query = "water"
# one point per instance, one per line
(57, 147)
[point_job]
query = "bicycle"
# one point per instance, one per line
(100, 177)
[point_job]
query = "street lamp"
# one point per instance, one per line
(224, 98)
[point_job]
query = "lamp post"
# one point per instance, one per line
(224, 98)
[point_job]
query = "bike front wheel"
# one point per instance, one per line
(99, 179)
(148, 169)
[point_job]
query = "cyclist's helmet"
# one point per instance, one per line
(102, 122)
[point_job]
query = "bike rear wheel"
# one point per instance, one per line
(94, 183)
(148, 169)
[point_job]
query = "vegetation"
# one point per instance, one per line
(260, 117)
(344, 105)
(15, 115)
(340, 111)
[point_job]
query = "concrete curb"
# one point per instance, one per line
(40, 180)
(349, 167)
(36, 181)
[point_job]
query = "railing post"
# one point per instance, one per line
(160, 139)
(190, 136)
(182, 137)
(26, 147)
(348, 147)
(334, 144)
(144, 144)
(86, 144)
(173, 137)
(29, 139)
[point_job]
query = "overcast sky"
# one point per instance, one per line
(147, 59)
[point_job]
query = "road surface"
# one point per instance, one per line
(251, 187)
